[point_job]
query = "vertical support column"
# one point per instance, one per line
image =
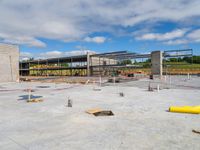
(91, 66)
(29, 67)
(20, 69)
(71, 67)
(156, 62)
(38, 68)
(59, 68)
(47, 67)
(99, 65)
(88, 64)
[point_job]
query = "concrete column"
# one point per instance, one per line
(88, 64)
(156, 62)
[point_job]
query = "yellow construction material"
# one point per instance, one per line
(185, 109)
(198, 107)
(34, 100)
(94, 110)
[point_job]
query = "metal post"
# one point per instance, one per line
(59, 67)
(99, 67)
(71, 66)
(29, 94)
(29, 68)
(47, 67)
(88, 64)
(100, 80)
(38, 67)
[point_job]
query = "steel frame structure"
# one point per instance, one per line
(82, 61)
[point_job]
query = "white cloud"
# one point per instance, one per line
(163, 36)
(194, 35)
(191, 37)
(53, 54)
(81, 47)
(73, 20)
(20, 39)
(175, 37)
(25, 55)
(97, 39)
(78, 52)
(176, 42)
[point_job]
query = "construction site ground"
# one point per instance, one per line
(141, 119)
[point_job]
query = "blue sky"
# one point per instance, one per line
(55, 28)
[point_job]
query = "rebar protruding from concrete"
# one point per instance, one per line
(93, 84)
(29, 94)
(170, 80)
(158, 88)
(100, 81)
(87, 81)
(165, 78)
(69, 104)
(121, 94)
(149, 87)
(114, 80)
(188, 76)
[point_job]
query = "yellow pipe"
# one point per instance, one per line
(198, 107)
(185, 109)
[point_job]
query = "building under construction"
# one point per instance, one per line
(100, 64)
(62, 112)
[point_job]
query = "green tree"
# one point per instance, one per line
(126, 62)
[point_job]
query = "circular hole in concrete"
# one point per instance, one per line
(43, 86)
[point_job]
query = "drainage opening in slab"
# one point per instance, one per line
(43, 86)
(104, 113)
(95, 89)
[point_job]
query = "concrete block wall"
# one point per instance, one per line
(9, 63)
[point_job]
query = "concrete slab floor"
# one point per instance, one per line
(140, 120)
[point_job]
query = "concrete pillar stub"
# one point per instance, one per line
(156, 63)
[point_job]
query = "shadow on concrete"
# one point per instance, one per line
(43, 86)
(25, 97)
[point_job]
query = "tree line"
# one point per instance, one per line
(193, 59)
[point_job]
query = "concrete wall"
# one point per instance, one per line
(9, 63)
(156, 62)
